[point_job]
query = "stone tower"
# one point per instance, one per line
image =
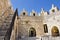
(4, 5)
(6, 17)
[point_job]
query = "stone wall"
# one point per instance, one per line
(4, 4)
(26, 22)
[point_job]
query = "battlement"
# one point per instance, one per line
(54, 10)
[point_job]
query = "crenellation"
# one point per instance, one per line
(33, 13)
(24, 13)
(53, 11)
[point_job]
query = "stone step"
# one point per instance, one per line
(3, 33)
(9, 19)
(6, 23)
(4, 28)
(1, 24)
(1, 37)
(10, 16)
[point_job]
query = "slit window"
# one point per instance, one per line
(45, 28)
(33, 14)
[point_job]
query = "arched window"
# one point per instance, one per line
(55, 31)
(32, 32)
(45, 28)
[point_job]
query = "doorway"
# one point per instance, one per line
(55, 31)
(32, 32)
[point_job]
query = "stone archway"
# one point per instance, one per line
(55, 31)
(32, 32)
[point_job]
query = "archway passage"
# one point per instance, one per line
(32, 32)
(55, 31)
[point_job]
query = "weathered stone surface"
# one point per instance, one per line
(4, 4)
(35, 22)
(5, 26)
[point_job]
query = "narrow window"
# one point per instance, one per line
(53, 10)
(45, 28)
(23, 13)
(33, 14)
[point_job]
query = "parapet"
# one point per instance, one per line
(53, 10)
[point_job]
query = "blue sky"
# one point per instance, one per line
(34, 4)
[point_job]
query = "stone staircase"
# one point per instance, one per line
(4, 27)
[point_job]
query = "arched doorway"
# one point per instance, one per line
(55, 31)
(32, 32)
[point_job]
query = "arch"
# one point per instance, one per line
(55, 31)
(32, 32)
